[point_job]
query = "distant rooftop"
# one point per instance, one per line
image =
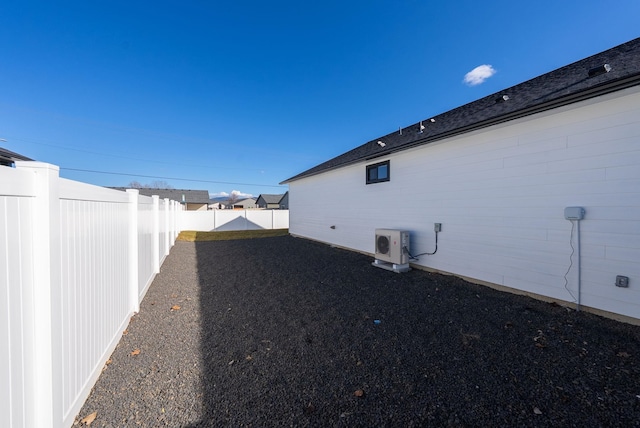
(7, 157)
(179, 195)
(271, 199)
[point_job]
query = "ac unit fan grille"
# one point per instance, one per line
(382, 244)
(392, 246)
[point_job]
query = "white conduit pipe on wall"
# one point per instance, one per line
(576, 214)
(578, 255)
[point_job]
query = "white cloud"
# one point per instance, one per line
(479, 74)
(240, 194)
(237, 193)
(218, 195)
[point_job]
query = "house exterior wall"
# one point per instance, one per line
(196, 206)
(284, 202)
(271, 202)
(500, 195)
(245, 204)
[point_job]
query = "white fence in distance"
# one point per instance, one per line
(76, 260)
(224, 220)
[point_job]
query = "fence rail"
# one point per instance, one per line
(76, 261)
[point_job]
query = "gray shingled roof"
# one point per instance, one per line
(271, 199)
(7, 157)
(190, 196)
(563, 86)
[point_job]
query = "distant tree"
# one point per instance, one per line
(158, 184)
(233, 198)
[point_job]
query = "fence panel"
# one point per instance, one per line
(281, 219)
(146, 256)
(203, 221)
(259, 219)
(76, 260)
(16, 287)
(164, 235)
(93, 286)
(225, 220)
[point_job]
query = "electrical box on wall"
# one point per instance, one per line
(622, 281)
(574, 213)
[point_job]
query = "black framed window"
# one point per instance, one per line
(378, 172)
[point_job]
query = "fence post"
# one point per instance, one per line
(174, 222)
(42, 349)
(134, 303)
(178, 209)
(167, 235)
(156, 234)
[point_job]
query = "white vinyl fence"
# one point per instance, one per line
(76, 260)
(222, 220)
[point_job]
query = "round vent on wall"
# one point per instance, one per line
(382, 242)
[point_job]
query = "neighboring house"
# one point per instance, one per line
(193, 200)
(272, 202)
(498, 174)
(217, 205)
(8, 158)
(244, 204)
(284, 202)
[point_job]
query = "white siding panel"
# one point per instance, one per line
(163, 237)
(93, 287)
(500, 195)
(16, 285)
(145, 244)
(16, 289)
(624, 255)
(612, 133)
(624, 172)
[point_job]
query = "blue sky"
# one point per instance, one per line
(244, 94)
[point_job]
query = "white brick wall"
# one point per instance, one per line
(500, 195)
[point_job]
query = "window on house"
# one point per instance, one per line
(378, 172)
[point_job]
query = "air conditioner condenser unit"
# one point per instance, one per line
(392, 249)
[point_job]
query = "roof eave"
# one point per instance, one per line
(592, 92)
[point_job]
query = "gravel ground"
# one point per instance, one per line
(289, 332)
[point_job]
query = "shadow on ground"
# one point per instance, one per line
(297, 333)
(288, 332)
